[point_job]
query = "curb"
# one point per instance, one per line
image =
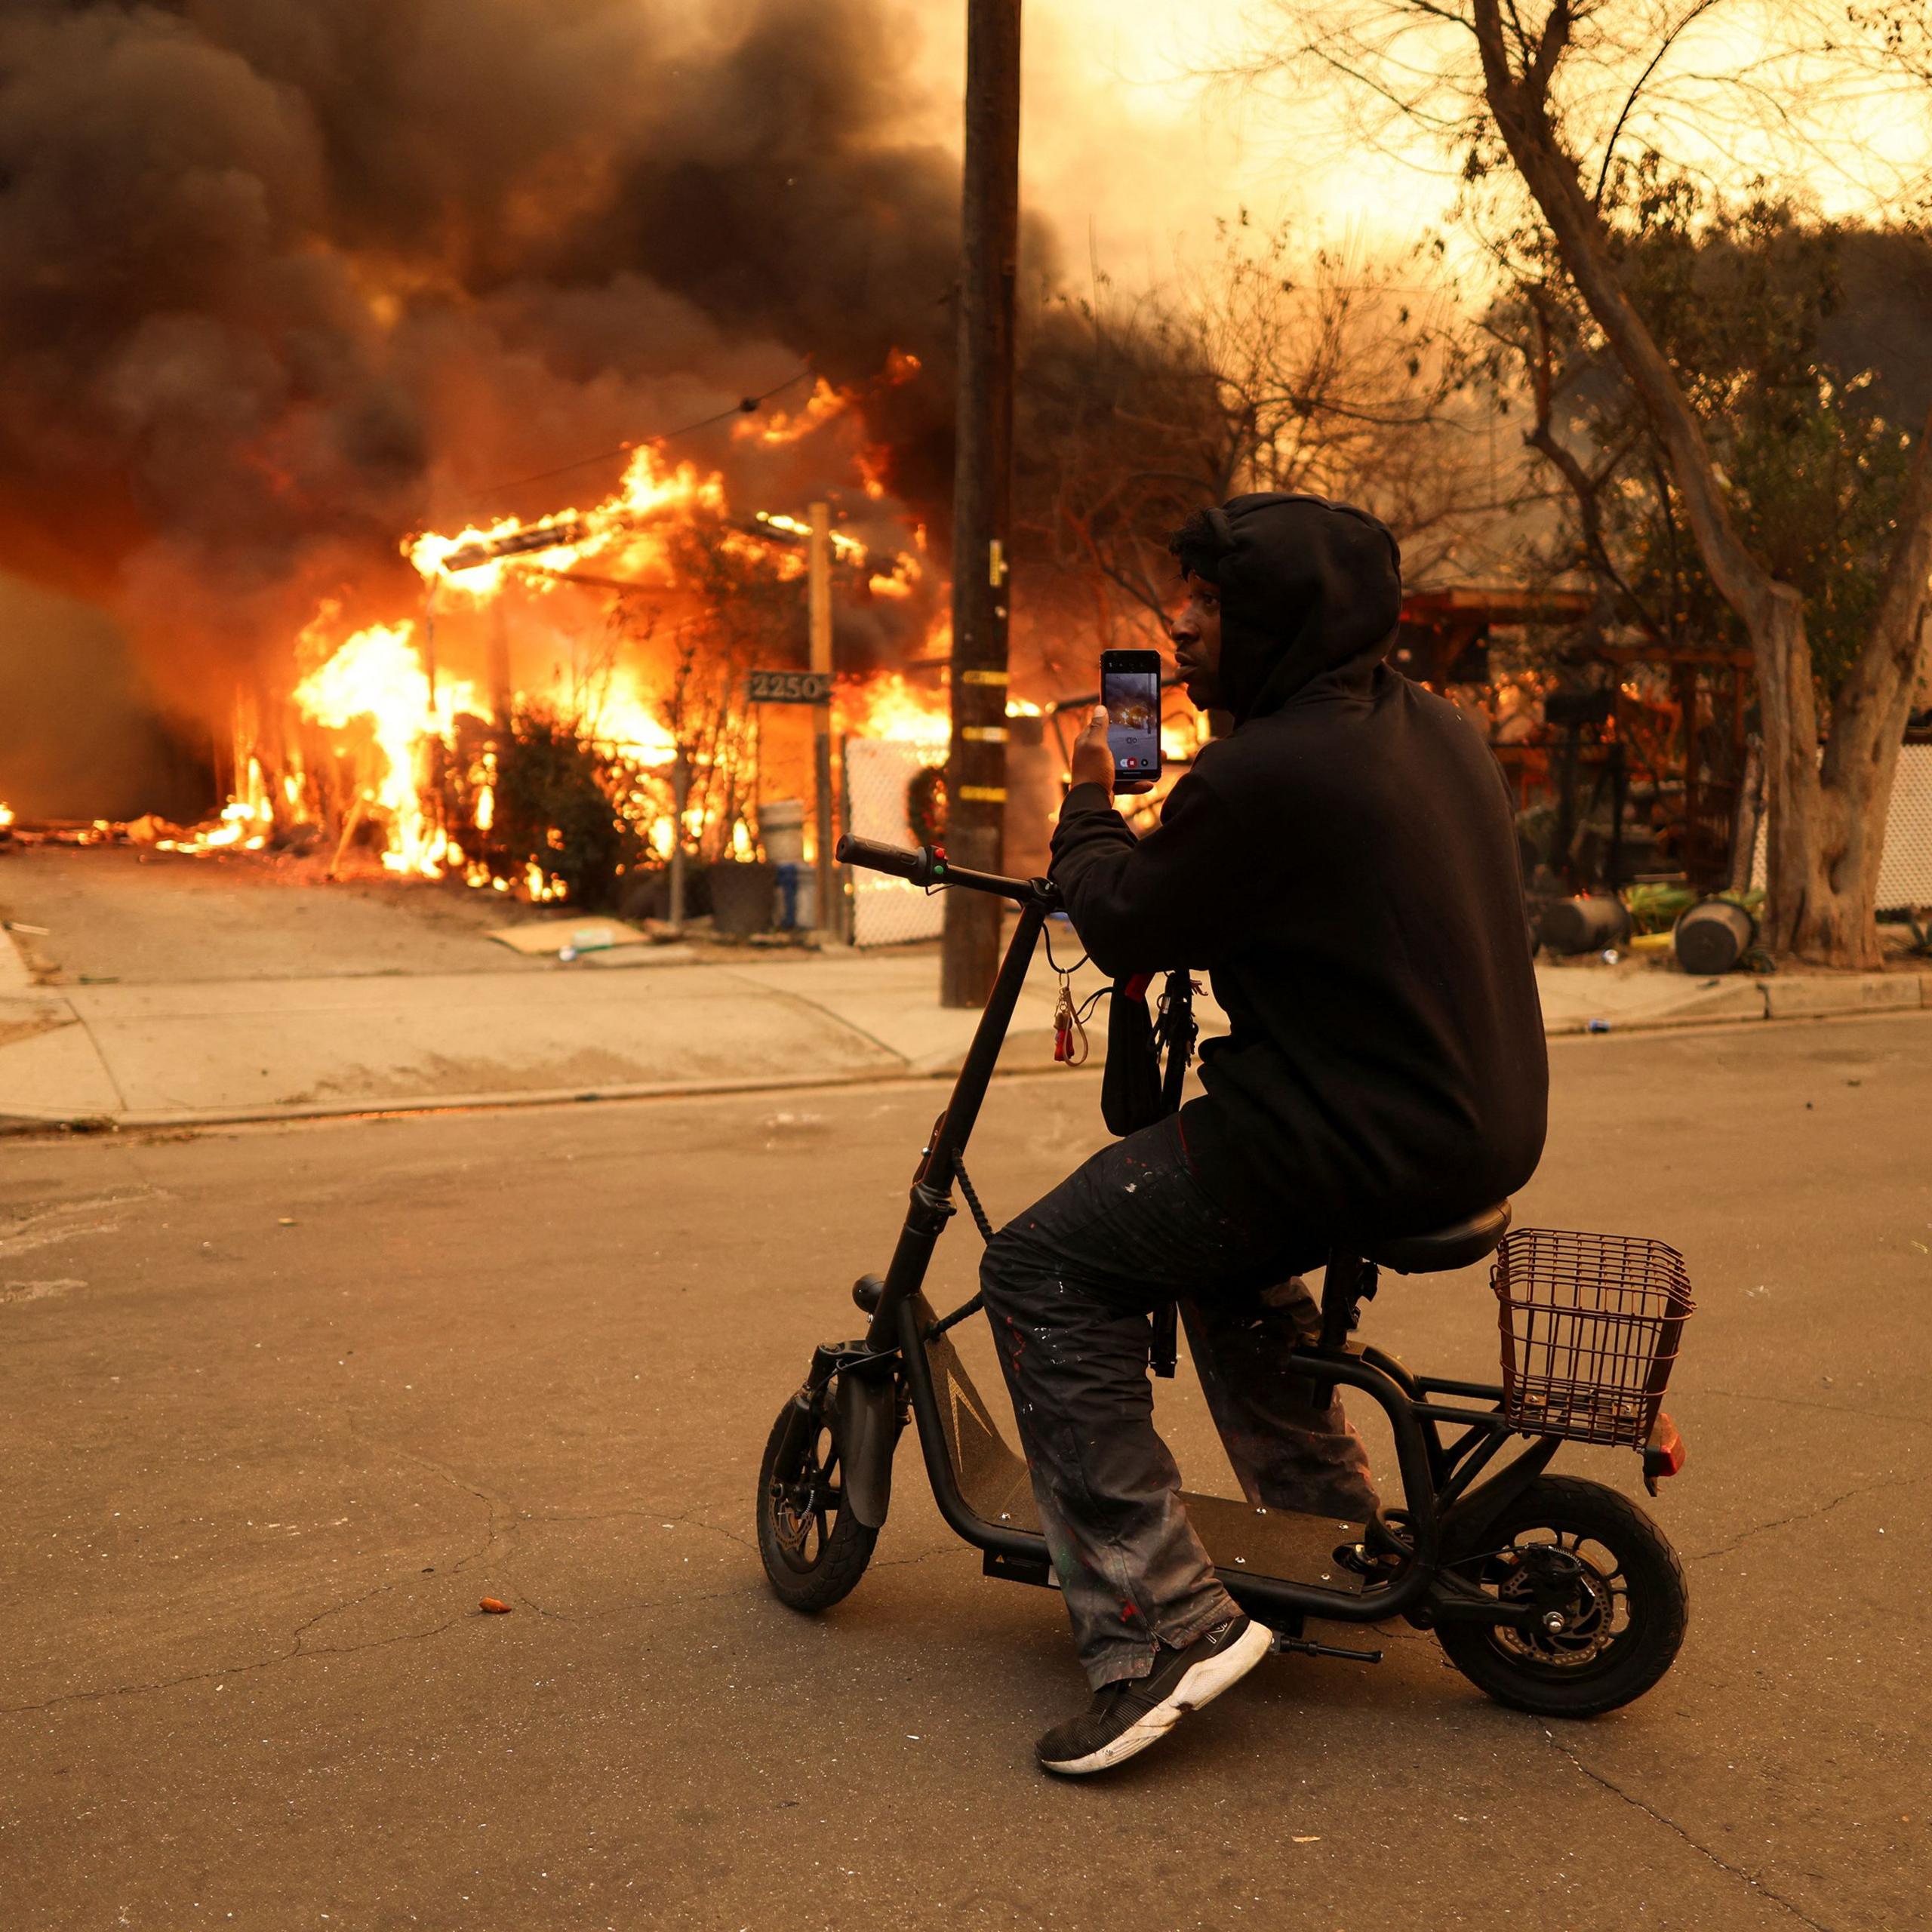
(1025, 1053)
(1723, 1005)
(1818, 995)
(30, 1121)
(1803, 996)
(33, 1122)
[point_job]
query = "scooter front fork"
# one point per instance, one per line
(865, 1413)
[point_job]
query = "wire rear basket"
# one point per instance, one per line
(1590, 1325)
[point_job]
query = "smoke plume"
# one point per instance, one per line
(280, 282)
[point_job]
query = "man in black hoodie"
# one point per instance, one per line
(1344, 865)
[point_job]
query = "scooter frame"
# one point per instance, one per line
(1443, 1442)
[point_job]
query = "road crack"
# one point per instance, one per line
(225, 1671)
(299, 1646)
(1826, 1408)
(1802, 1516)
(1748, 1879)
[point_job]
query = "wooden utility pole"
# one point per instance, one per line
(982, 494)
(820, 590)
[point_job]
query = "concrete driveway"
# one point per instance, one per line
(280, 1405)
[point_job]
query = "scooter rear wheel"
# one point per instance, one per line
(815, 1550)
(1603, 1575)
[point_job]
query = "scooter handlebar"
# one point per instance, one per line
(928, 866)
(921, 864)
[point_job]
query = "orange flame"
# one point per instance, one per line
(892, 706)
(782, 426)
(474, 561)
(415, 744)
(377, 678)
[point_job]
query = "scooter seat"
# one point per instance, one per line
(1443, 1248)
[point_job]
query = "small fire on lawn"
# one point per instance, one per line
(579, 677)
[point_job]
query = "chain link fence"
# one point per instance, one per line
(881, 776)
(1904, 873)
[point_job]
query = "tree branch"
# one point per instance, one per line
(1874, 705)
(1583, 486)
(1670, 40)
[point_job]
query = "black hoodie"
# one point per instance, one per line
(1345, 866)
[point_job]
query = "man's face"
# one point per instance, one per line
(1196, 631)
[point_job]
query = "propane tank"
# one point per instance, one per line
(1586, 924)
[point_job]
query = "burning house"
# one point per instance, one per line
(310, 322)
(434, 398)
(625, 631)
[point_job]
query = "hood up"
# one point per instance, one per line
(1311, 592)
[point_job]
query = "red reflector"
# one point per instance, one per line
(1664, 1452)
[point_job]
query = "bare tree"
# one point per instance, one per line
(1265, 369)
(1548, 95)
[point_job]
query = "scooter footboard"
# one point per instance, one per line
(1245, 1539)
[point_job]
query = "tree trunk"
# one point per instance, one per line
(1828, 810)
(1807, 912)
(1828, 806)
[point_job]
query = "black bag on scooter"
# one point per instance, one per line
(1147, 1056)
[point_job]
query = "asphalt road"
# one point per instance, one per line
(280, 1405)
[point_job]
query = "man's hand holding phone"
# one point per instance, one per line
(1093, 757)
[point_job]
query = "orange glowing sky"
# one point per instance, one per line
(1123, 137)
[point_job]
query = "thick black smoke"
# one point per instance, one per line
(281, 281)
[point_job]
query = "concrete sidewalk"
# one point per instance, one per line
(210, 1051)
(1636, 997)
(207, 1052)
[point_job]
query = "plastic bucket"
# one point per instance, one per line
(1713, 936)
(781, 831)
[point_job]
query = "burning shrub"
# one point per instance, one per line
(555, 810)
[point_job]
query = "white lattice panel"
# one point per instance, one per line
(1905, 876)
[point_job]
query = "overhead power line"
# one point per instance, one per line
(746, 406)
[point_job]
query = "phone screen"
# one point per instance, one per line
(1132, 695)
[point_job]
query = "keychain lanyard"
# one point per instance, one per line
(1070, 1017)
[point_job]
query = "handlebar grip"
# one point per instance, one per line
(915, 864)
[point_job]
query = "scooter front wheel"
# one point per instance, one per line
(815, 1550)
(1607, 1596)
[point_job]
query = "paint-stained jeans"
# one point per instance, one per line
(1068, 1286)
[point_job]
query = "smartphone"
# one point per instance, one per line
(1130, 690)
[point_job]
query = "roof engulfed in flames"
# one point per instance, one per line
(394, 704)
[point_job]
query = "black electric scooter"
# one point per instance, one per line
(1553, 1593)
